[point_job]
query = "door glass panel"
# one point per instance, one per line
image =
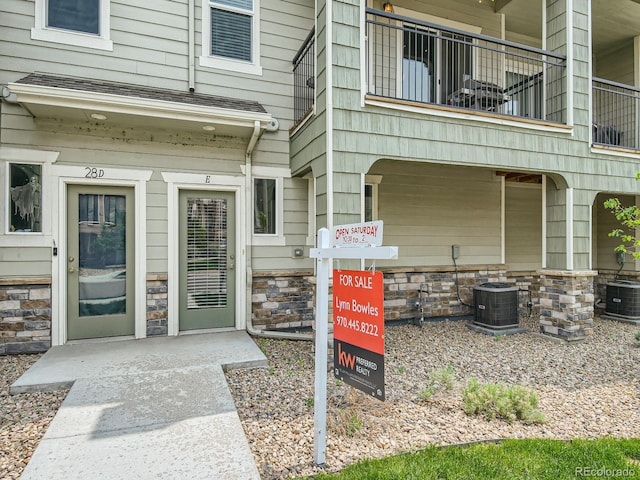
(206, 253)
(102, 254)
(417, 65)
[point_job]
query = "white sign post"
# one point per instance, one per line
(324, 254)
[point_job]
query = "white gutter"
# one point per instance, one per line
(257, 131)
(111, 103)
(570, 60)
(329, 110)
(544, 221)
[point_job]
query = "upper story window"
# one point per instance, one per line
(75, 16)
(230, 35)
(81, 23)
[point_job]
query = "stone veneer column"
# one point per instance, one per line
(566, 303)
(157, 304)
(25, 315)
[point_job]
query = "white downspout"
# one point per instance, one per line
(192, 45)
(257, 131)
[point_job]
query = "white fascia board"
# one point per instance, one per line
(85, 100)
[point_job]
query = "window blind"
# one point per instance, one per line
(231, 34)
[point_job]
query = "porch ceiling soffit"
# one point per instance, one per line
(500, 4)
(520, 177)
(50, 96)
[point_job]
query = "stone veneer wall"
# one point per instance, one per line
(25, 315)
(157, 304)
(529, 281)
(283, 300)
(439, 296)
(287, 300)
(567, 304)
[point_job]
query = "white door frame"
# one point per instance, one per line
(196, 181)
(62, 176)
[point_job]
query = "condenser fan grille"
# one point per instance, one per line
(623, 299)
(496, 305)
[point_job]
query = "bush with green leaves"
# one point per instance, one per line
(497, 400)
(439, 379)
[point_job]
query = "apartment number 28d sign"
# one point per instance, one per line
(358, 330)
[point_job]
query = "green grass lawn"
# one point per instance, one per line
(510, 459)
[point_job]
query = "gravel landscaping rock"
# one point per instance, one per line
(24, 418)
(586, 390)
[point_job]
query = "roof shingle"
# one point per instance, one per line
(128, 90)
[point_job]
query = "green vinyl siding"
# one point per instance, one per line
(25, 262)
(428, 208)
(523, 225)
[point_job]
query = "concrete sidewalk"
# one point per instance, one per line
(154, 408)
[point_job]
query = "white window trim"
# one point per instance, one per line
(374, 181)
(38, 157)
(270, 173)
(68, 37)
(269, 238)
(207, 60)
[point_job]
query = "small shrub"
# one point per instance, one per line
(346, 421)
(496, 400)
(262, 344)
(638, 335)
(353, 424)
(439, 379)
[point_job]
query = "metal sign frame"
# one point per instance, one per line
(324, 255)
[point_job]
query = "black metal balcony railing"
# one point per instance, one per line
(304, 78)
(427, 63)
(616, 108)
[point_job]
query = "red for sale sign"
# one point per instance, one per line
(358, 330)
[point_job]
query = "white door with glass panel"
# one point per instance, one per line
(100, 262)
(206, 260)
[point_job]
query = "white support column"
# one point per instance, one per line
(544, 221)
(569, 228)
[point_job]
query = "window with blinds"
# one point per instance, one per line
(232, 29)
(206, 253)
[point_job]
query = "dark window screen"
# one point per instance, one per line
(76, 15)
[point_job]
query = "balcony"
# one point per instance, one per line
(424, 63)
(304, 79)
(615, 115)
(411, 61)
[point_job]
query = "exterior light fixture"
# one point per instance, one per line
(208, 128)
(387, 7)
(98, 116)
